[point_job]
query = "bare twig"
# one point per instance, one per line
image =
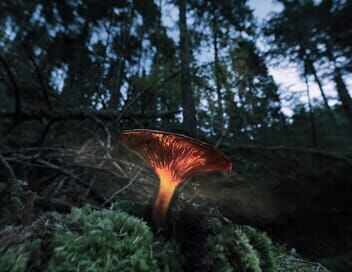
(72, 175)
(91, 183)
(107, 132)
(122, 189)
(53, 204)
(81, 115)
(127, 105)
(319, 265)
(10, 171)
(222, 138)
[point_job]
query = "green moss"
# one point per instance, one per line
(263, 246)
(10, 204)
(243, 248)
(11, 262)
(107, 240)
(231, 251)
(2, 187)
(112, 240)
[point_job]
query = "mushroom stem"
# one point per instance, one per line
(167, 188)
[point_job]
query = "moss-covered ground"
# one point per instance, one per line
(112, 240)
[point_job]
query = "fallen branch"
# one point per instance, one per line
(47, 204)
(10, 171)
(55, 116)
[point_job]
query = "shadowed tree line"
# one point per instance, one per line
(205, 77)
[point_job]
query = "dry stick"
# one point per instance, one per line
(53, 204)
(223, 136)
(81, 115)
(70, 174)
(122, 189)
(107, 156)
(91, 183)
(102, 159)
(59, 186)
(89, 156)
(319, 265)
(135, 99)
(9, 168)
(46, 130)
(106, 130)
(114, 163)
(139, 95)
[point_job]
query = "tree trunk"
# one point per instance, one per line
(322, 92)
(188, 110)
(311, 115)
(71, 91)
(220, 109)
(114, 102)
(341, 88)
(343, 93)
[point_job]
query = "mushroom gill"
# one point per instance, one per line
(174, 158)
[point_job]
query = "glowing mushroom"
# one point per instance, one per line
(174, 158)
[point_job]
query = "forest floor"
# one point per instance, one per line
(299, 197)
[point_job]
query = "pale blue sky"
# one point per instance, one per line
(263, 7)
(286, 75)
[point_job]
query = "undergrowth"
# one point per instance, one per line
(112, 240)
(109, 241)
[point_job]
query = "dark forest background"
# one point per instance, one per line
(66, 60)
(73, 74)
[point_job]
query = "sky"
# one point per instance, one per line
(286, 75)
(263, 7)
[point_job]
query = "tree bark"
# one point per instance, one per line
(220, 109)
(71, 93)
(322, 92)
(18, 104)
(119, 71)
(343, 93)
(188, 110)
(311, 115)
(341, 88)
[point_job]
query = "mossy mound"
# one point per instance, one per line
(109, 241)
(86, 240)
(112, 240)
(232, 251)
(243, 248)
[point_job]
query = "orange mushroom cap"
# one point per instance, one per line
(174, 158)
(181, 155)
